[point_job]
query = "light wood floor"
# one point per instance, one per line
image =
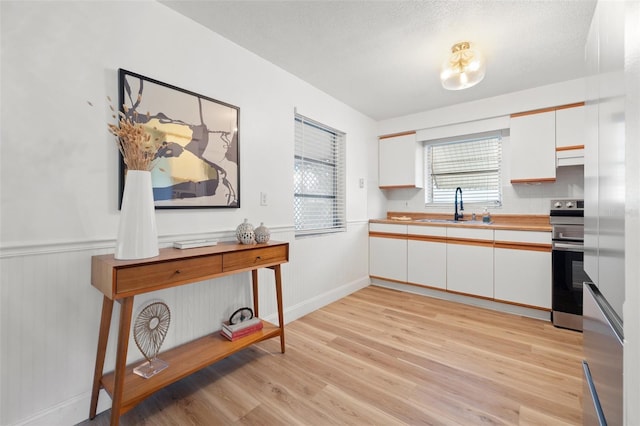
(383, 357)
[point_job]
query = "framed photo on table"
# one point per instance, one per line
(198, 164)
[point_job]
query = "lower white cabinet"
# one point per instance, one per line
(427, 256)
(470, 269)
(503, 265)
(388, 251)
(523, 268)
(470, 261)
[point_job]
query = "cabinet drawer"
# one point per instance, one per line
(253, 258)
(158, 275)
(390, 228)
(470, 233)
(523, 236)
(432, 231)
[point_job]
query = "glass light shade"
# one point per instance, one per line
(464, 68)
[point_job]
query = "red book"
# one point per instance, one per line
(241, 333)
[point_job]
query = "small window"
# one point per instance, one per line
(472, 164)
(318, 178)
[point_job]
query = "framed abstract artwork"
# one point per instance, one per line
(197, 164)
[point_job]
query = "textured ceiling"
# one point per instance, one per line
(383, 58)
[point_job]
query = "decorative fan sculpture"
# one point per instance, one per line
(149, 331)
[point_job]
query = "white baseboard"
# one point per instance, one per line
(469, 300)
(69, 412)
(313, 304)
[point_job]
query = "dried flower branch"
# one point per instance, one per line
(134, 140)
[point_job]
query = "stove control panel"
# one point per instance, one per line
(572, 204)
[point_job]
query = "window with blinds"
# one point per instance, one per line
(318, 178)
(473, 165)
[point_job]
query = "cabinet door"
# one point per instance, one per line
(427, 256)
(533, 147)
(523, 267)
(400, 162)
(470, 269)
(523, 276)
(388, 253)
(388, 258)
(570, 127)
(470, 261)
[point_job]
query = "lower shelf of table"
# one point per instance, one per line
(183, 361)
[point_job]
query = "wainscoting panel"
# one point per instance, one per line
(50, 314)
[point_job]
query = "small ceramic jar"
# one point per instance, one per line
(262, 233)
(245, 233)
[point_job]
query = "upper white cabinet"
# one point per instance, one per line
(400, 161)
(533, 147)
(571, 125)
(545, 139)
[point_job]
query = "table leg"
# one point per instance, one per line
(126, 309)
(276, 269)
(254, 281)
(103, 338)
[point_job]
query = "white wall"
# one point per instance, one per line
(517, 199)
(59, 166)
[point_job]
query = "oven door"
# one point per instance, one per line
(567, 281)
(567, 232)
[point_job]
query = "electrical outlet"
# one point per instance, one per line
(263, 198)
(361, 183)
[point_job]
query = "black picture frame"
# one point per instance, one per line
(198, 164)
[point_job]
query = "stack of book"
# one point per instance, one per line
(241, 329)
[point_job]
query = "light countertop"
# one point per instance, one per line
(514, 222)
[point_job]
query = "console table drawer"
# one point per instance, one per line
(165, 274)
(254, 258)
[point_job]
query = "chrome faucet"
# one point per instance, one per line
(458, 215)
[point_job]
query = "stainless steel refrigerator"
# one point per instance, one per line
(604, 207)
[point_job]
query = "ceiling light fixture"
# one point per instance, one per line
(464, 68)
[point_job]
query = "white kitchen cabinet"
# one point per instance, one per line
(533, 147)
(427, 256)
(470, 261)
(571, 125)
(388, 251)
(400, 162)
(523, 268)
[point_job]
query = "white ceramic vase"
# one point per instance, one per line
(263, 234)
(245, 234)
(137, 233)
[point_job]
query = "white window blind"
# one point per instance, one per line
(473, 165)
(318, 178)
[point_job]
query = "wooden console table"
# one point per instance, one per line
(121, 280)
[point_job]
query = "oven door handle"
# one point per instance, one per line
(573, 236)
(568, 247)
